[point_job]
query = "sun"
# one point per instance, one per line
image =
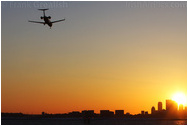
(180, 98)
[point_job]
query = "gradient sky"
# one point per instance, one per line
(106, 55)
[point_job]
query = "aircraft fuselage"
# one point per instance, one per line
(47, 21)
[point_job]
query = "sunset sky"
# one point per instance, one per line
(105, 55)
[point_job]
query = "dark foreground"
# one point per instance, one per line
(93, 121)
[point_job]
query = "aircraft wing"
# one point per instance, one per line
(57, 21)
(37, 22)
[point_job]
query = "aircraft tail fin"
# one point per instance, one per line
(43, 9)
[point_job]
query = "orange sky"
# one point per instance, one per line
(106, 55)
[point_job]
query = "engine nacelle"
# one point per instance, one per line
(49, 17)
(41, 17)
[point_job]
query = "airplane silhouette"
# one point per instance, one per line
(46, 19)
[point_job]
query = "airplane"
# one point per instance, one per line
(46, 19)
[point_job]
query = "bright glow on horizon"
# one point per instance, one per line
(180, 98)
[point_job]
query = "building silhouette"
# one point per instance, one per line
(88, 113)
(146, 112)
(180, 107)
(106, 113)
(171, 106)
(119, 113)
(159, 106)
(74, 114)
(142, 112)
(153, 110)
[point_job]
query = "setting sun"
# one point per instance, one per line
(180, 98)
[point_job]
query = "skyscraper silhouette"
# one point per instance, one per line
(142, 112)
(180, 107)
(159, 106)
(153, 110)
(171, 106)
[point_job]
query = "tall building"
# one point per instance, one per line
(142, 112)
(153, 110)
(146, 113)
(159, 106)
(185, 109)
(171, 106)
(180, 107)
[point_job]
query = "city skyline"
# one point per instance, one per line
(172, 111)
(169, 106)
(124, 55)
(170, 116)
